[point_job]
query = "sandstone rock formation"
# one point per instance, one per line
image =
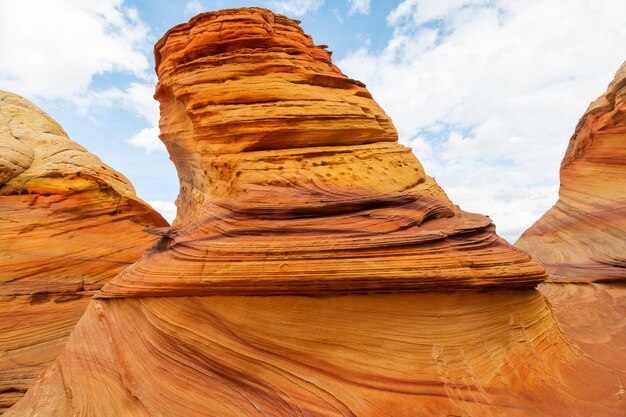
(467, 353)
(583, 237)
(289, 171)
(68, 223)
(313, 269)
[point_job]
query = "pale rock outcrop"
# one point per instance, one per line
(68, 224)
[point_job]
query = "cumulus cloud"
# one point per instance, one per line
(54, 49)
(147, 139)
(295, 7)
(360, 6)
(488, 92)
(136, 98)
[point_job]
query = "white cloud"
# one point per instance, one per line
(137, 98)
(360, 6)
(420, 11)
(489, 92)
(193, 7)
(295, 7)
(53, 49)
(166, 208)
(147, 139)
(337, 15)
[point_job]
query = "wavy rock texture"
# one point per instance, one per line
(594, 317)
(68, 224)
(583, 237)
(466, 353)
(292, 180)
(313, 269)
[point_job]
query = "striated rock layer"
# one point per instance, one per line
(464, 353)
(292, 179)
(313, 269)
(68, 223)
(593, 316)
(583, 237)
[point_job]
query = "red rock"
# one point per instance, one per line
(583, 237)
(471, 353)
(292, 180)
(313, 269)
(68, 223)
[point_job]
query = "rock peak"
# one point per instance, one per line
(292, 179)
(583, 237)
(293, 186)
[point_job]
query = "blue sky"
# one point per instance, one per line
(486, 92)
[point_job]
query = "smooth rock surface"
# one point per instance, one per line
(464, 353)
(68, 224)
(583, 237)
(314, 269)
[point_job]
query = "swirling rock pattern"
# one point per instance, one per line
(464, 353)
(593, 316)
(292, 180)
(313, 269)
(68, 224)
(583, 237)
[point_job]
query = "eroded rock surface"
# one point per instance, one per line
(314, 269)
(583, 237)
(68, 224)
(292, 179)
(465, 353)
(594, 317)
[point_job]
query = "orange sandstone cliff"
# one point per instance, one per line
(314, 269)
(68, 224)
(583, 237)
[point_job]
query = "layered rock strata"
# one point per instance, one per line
(68, 223)
(464, 353)
(583, 237)
(313, 269)
(292, 179)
